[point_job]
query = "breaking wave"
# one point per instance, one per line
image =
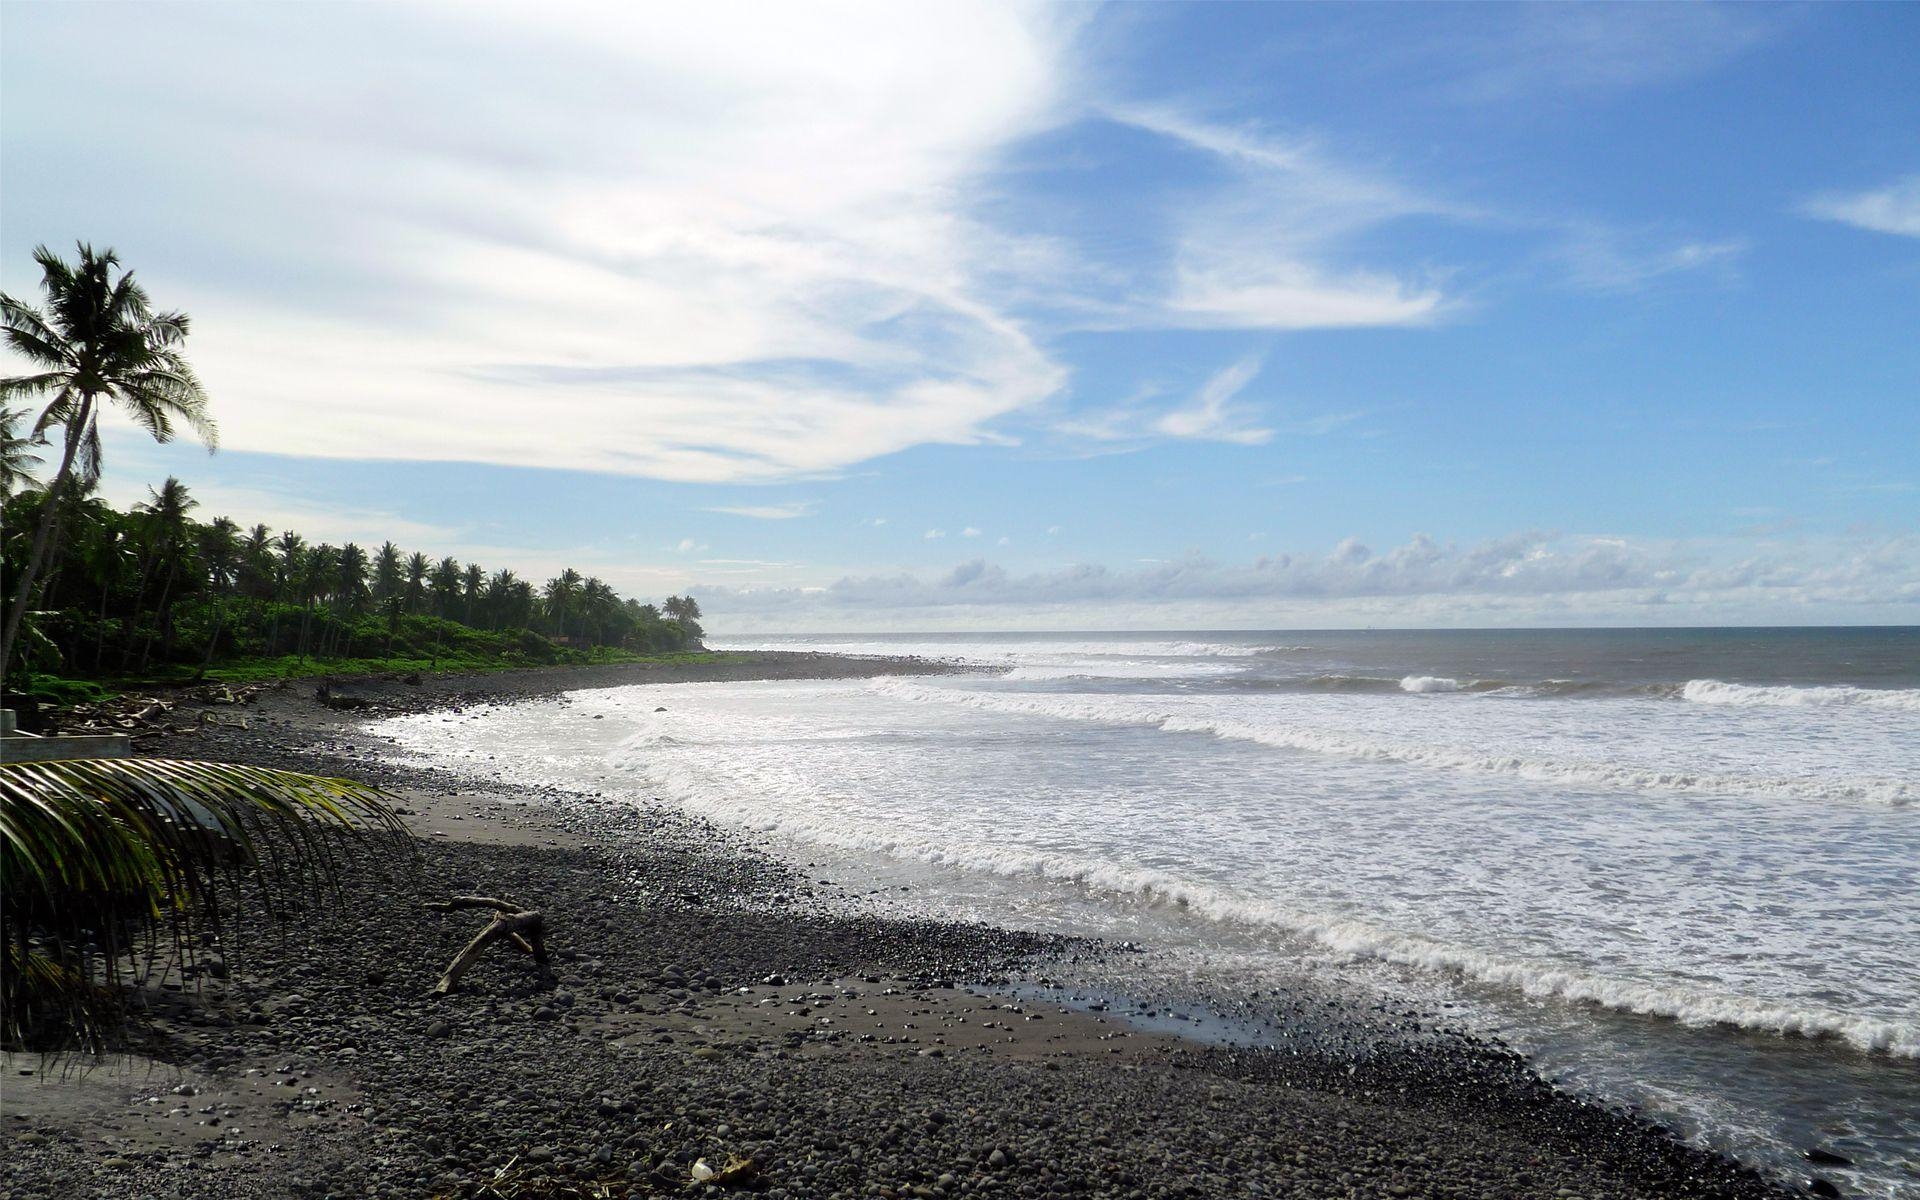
(1147, 713)
(1712, 691)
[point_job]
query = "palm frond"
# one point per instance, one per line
(33, 385)
(91, 849)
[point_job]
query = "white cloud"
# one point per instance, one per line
(1891, 209)
(1005, 541)
(934, 534)
(969, 532)
(769, 512)
(876, 522)
(704, 243)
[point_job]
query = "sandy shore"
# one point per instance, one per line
(715, 1005)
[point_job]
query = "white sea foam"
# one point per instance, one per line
(1012, 651)
(1740, 695)
(783, 804)
(1152, 712)
(1130, 668)
(1429, 683)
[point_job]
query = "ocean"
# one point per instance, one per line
(1679, 868)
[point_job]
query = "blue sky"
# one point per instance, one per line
(1024, 316)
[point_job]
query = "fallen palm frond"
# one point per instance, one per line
(98, 854)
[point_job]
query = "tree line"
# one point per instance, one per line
(99, 591)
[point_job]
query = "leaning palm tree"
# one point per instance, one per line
(98, 341)
(105, 863)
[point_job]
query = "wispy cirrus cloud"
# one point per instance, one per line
(608, 240)
(1272, 249)
(769, 512)
(1509, 53)
(1213, 413)
(1601, 258)
(1894, 208)
(1213, 416)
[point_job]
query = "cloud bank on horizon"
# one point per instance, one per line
(1528, 578)
(946, 272)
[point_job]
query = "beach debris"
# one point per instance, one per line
(523, 927)
(143, 715)
(326, 697)
(737, 1171)
(515, 1181)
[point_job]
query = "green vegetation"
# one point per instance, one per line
(152, 594)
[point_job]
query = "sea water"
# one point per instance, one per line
(1681, 868)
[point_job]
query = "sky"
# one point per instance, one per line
(919, 317)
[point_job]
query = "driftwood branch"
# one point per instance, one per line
(525, 928)
(454, 902)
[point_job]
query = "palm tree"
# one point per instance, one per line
(105, 554)
(418, 567)
(104, 855)
(471, 581)
(316, 581)
(520, 604)
(220, 554)
(558, 597)
(256, 563)
(386, 587)
(289, 572)
(290, 554)
(165, 519)
(597, 602)
(446, 586)
(17, 459)
(99, 340)
(349, 589)
(499, 596)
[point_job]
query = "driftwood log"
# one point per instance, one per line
(523, 927)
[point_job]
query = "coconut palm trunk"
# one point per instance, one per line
(43, 531)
